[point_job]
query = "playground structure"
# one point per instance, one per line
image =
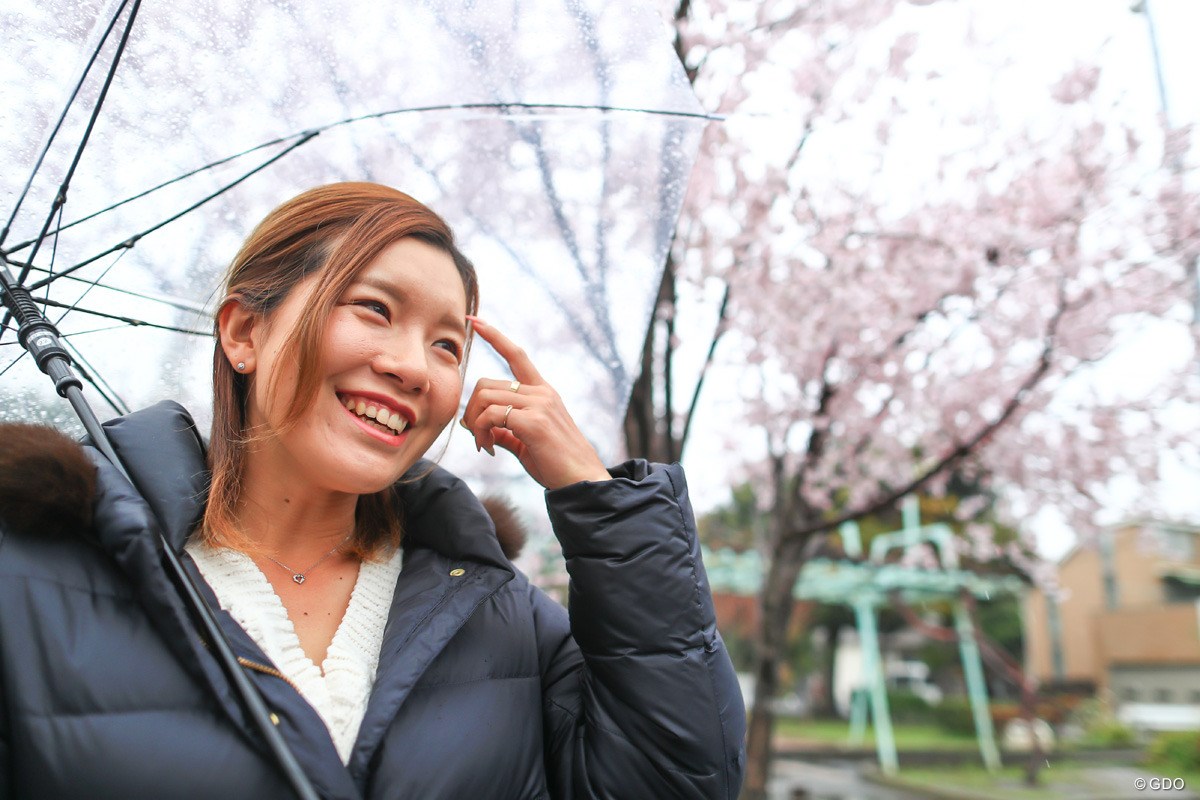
(868, 584)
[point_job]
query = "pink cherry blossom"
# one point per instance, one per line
(920, 283)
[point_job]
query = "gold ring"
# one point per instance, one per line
(504, 422)
(515, 386)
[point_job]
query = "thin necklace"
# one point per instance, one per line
(299, 576)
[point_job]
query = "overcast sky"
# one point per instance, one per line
(1177, 24)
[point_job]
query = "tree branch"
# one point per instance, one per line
(890, 498)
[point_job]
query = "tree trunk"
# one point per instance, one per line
(1033, 764)
(648, 430)
(777, 606)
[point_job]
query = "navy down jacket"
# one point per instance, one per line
(484, 689)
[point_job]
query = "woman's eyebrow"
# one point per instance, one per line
(390, 289)
(456, 321)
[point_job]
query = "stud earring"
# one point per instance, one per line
(241, 366)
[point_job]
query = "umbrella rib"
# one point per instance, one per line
(127, 320)
(376, 115)
(82, 371)
(576, 323)
(76, 334)
(504, 105)
(307, 134)
(177, 179)
(86, 291)
(133, 240)
(167, 300)
(599, 69)
(37, 165)
(86, 371)
(61, 197)
(613, 363)
(470, 41)
(568, 234)
(13, 363)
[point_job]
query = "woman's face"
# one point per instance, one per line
(391, 354)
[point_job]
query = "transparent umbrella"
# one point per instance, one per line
(555, 137)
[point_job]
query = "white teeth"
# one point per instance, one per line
(382, 416)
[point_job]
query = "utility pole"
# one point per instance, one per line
(1144, 7)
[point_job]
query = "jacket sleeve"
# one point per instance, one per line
(6, 790)
(641, 699)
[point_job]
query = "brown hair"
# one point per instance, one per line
(336, 231)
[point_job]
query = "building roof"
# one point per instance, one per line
(1133, 522)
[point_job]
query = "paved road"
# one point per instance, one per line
(828, 781)
(841, 781)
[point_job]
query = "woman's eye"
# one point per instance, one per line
(450, 346)
(374, 305)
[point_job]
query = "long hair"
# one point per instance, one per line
(332, 231)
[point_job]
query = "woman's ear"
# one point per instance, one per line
(237, 324)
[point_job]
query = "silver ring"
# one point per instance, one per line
(504, 422)
(515, 386)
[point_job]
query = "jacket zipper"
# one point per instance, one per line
(264, 669)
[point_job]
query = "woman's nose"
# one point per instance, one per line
(404, 360)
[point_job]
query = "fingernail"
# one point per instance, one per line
(491, 452)
(478, 447)
(463, 422)
(475, 319)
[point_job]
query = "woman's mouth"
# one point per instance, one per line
(377, 414)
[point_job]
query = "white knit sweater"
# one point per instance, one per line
(339, 688)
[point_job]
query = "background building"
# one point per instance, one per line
(1126, 622)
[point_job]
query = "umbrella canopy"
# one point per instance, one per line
(555, 137)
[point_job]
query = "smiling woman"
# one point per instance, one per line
(327, 254)
(365, 591)
(391, 343)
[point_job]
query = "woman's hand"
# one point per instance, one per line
(527, 418)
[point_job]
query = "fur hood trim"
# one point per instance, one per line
(510, 531)
(46, 481)
(47, 484)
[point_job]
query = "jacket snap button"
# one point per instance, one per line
(457, 573)
(274, 718)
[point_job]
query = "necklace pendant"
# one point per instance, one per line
(298, 578)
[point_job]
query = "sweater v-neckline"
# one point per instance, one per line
(338, 688)
(283, 623)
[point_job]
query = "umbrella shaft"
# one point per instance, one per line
(37, 334)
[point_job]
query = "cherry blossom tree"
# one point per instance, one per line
(921, 280)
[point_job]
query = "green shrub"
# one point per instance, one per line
(953, 715)
(1175, 751)
(909, 707)
(1110, 734)
(1099, 726)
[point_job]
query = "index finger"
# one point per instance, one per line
(517, 359)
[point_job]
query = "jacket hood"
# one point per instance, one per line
(46, 481)
(48, 484)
